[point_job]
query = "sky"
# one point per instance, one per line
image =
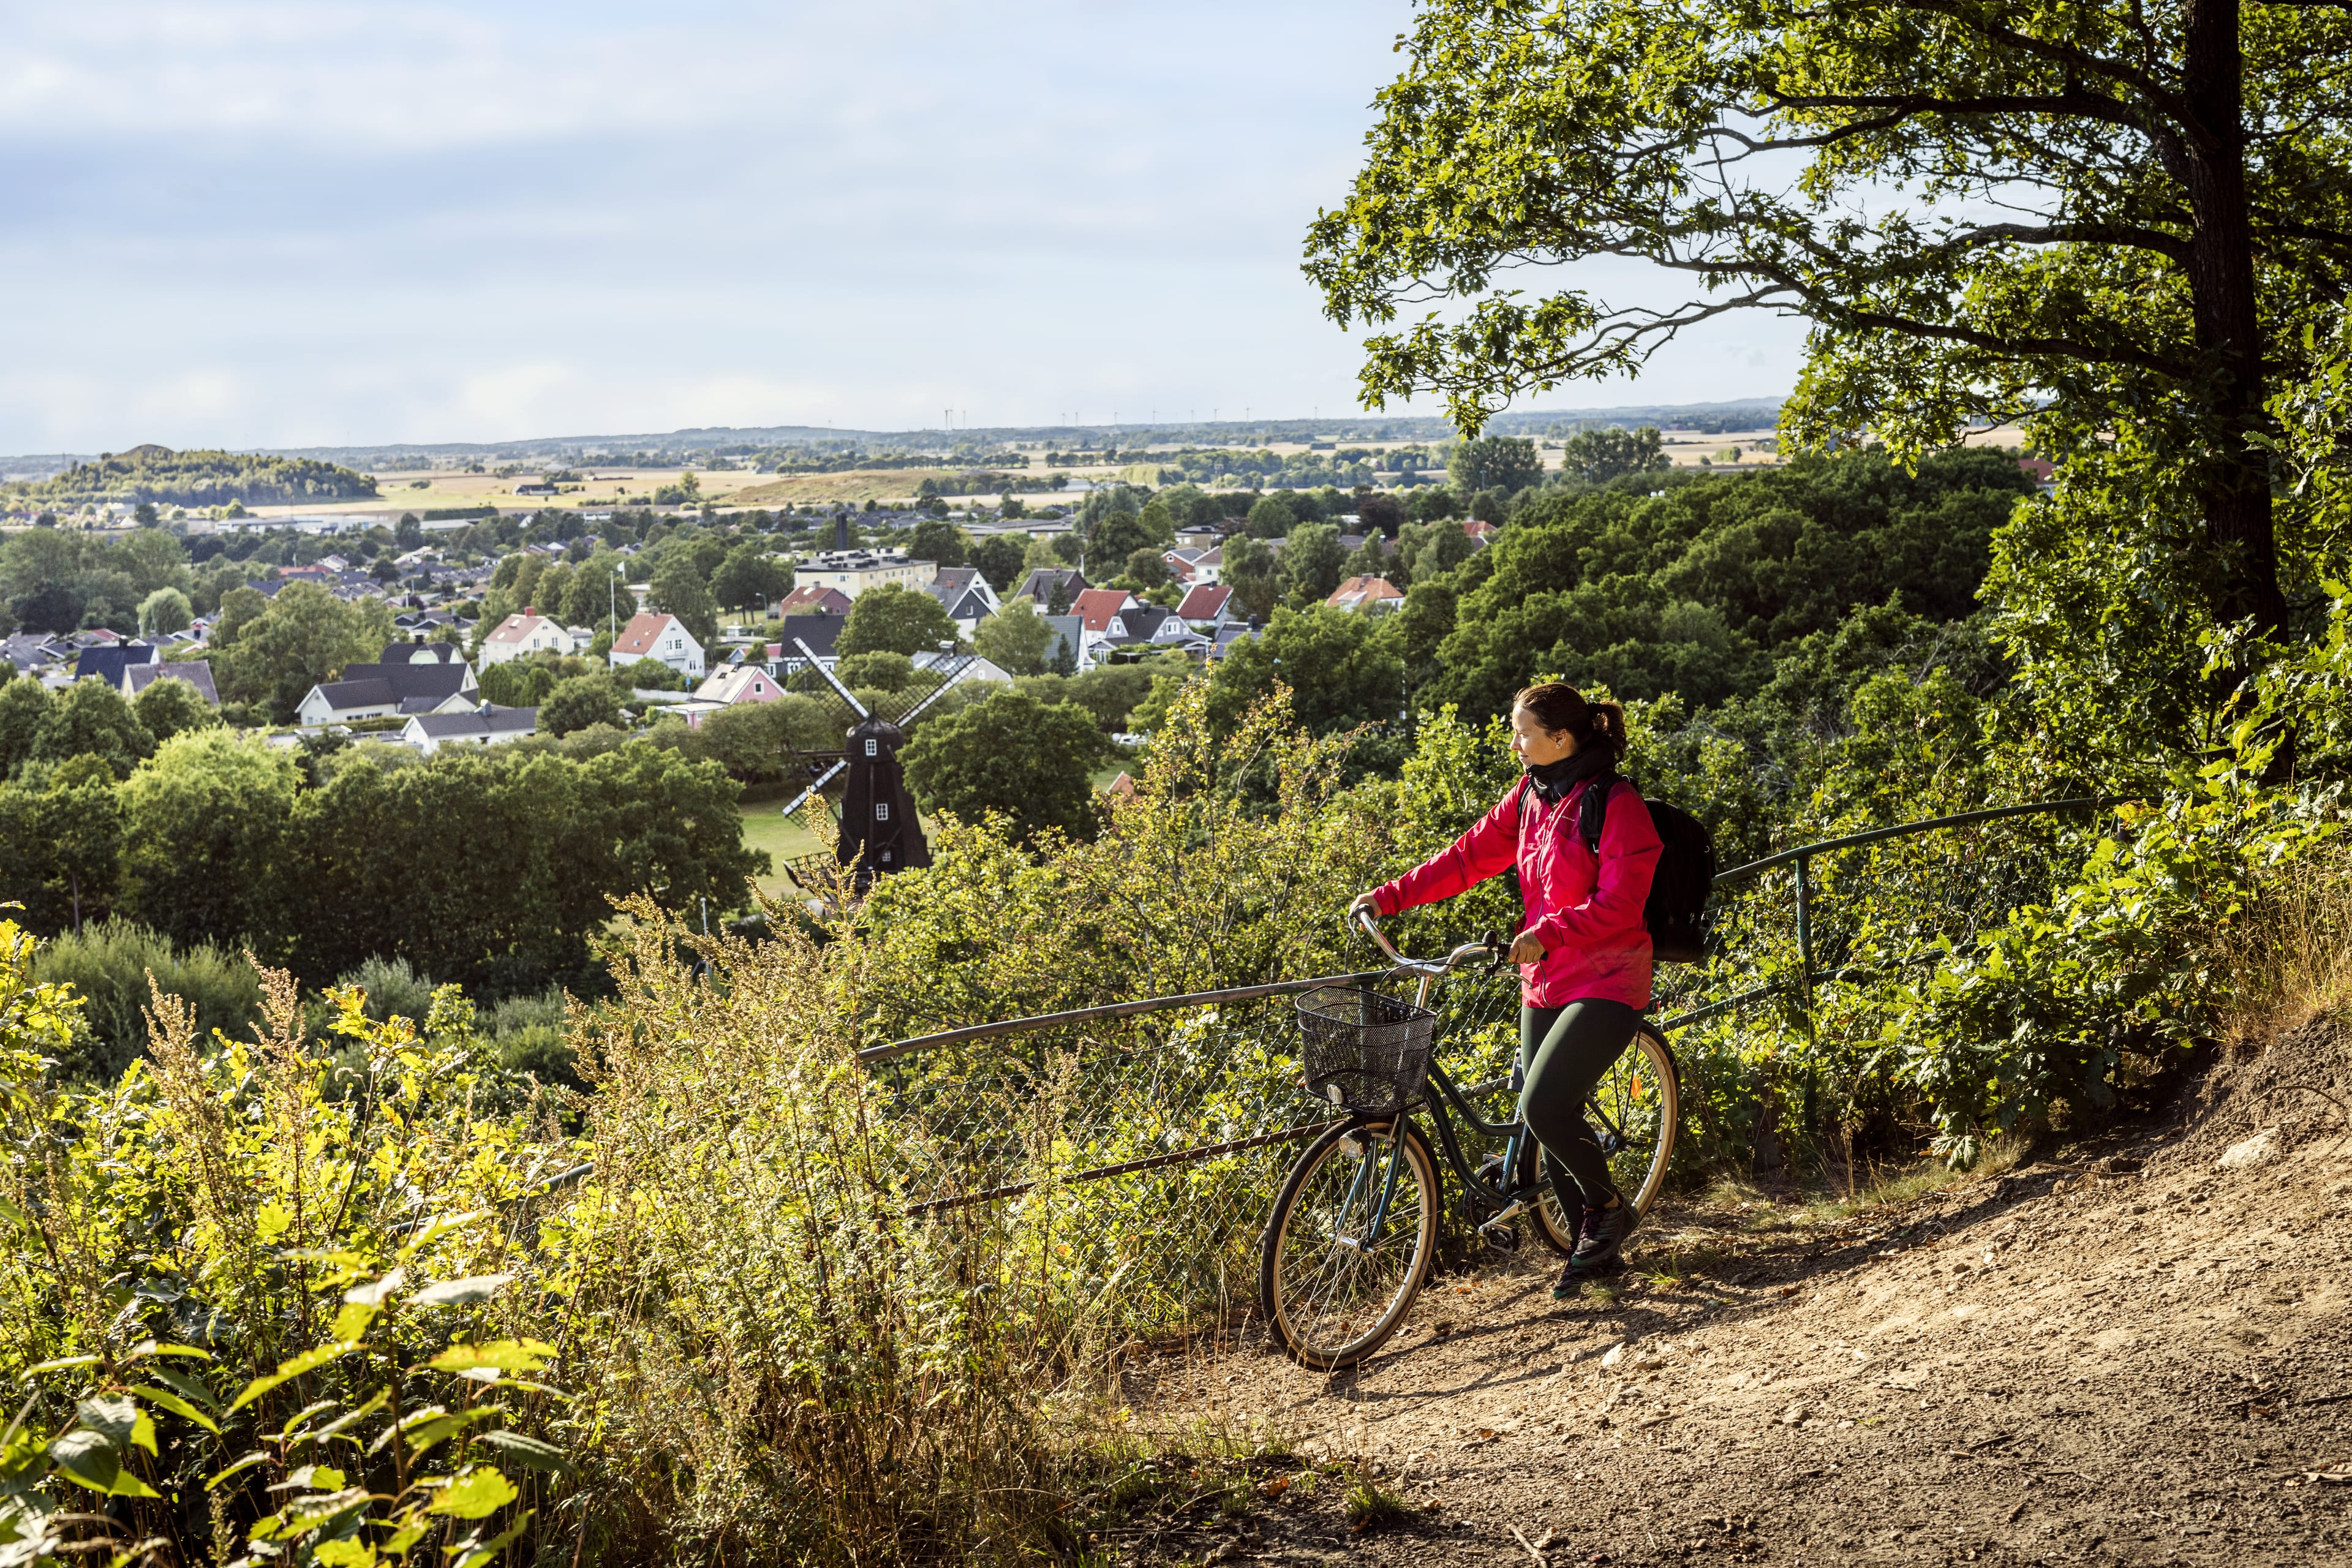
(320, 222)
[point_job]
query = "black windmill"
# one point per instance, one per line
(878, 833)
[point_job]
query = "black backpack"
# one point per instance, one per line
(1677, 910)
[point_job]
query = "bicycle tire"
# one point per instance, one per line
(1329, 1305)
(1643, 1174)
(1640, 1104)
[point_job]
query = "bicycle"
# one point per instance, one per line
(1354, 1227)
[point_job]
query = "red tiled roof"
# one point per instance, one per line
(637, 639)
(1097, 605)
(815, 598)
(1358, 592)
(1205, 603)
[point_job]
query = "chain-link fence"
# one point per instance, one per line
(1138, 1147)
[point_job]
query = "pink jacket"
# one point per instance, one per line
(1587, 913)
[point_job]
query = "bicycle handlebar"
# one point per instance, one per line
(1491, 947)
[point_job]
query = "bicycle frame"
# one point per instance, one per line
(1500, 1200)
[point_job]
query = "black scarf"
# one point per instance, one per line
(1553, 781)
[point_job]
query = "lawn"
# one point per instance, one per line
(766, 827)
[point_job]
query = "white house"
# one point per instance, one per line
(527, 633)
(486, 725)
(651, 635)
(412, 679)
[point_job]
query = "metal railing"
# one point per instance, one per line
(1146, 1138)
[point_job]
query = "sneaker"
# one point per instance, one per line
(1569, 1282)
(1601, 1245)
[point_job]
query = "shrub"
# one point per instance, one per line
(391, 989)
(107, 964)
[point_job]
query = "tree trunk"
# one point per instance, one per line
(2245, 584)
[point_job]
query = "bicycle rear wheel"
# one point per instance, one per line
(1634, 1110)
(1333, 1293)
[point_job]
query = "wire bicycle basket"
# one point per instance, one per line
(1364, 1051)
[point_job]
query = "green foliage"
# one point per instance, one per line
(1341, 669)
(679, 587)
(172, 707)
(937, 540)
(881, 670)
(92, 719)
(301, 638)
(1001, 558)
(577, 703)
(196, 478)
(1691, 592)
(1016, 639)
(1311, 561)
(549, 842)
(2153, 151)
(1012, 755)
(750, 577)
(107, 964)
(1598, 455)
(330, 1260)
(164, 610)
(896, 619)
(204, 825)
(1505, 463)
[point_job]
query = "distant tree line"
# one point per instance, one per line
(191, 479)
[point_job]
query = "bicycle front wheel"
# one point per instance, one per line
(1634, 1111)
(1348, 1243)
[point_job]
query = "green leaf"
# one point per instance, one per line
(87, 1457)
(344, 1554)
(424, 1433)
(119, 1417)
(308, 1360)
(187, 1387)
(163, 1399)
(62, 1365)
(374, 1295)
(352, 1322)
(528, 1452)
(502, 1355)
(256, 1457)
(146, 1348)
(439, 1226)
(16, 1216)
(468, 1292)
(475, 1556)
(476, 1494)
(311, 1477)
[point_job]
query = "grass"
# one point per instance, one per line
(2293, 958)
(1370, 1506)
(766, 827)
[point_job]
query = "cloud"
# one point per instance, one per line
(266, 223)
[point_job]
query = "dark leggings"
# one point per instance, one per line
(1563, 1052)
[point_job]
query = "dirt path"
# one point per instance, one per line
(2130, 1353)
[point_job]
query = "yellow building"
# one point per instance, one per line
(852, 571)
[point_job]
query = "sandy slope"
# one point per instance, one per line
(2120, 1354)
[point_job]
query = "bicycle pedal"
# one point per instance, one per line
(1501, 1238)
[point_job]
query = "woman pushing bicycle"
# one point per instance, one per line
(1584, 950)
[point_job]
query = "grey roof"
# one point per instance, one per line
(962, 603)
(423, 652)
(383, 685)
(487, 720)
(1039, 583)
(194, 671)
(820, 632)
(107, 663)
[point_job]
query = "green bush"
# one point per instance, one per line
(107, 964)
(393, 989)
